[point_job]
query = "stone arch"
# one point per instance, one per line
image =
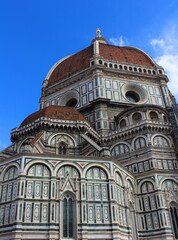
(167, 178)
(74, 165)
(21, 144)
(6, 168)
(68, 192)
(123, 122)
(68, 213)
(34, 162)
(146, 180)
(138, 120)
(173, 207)
(123, 144)
(163, 136)
(39, 166)
(71, 170)
(104, 168)
(173, 180)
(65, 134)
(116, 171)
(146, 186)
(96, 173)
(135, 139)
(153, 115)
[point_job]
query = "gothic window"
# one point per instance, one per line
(62, 148)
(68, 215)
(160, 141)
(146, 187)
(136, 117)
(174, 217)
(120, 149)
(154, 116)
(122, 123)
(139, 143)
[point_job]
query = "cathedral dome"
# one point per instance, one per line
(81, 60)
(54, 112)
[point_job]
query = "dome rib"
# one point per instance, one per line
(81, 60)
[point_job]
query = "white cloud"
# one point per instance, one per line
(166, 49)
(119, 41)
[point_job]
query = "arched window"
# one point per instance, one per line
(62, 148)
(136, 117)
(165, 118)
(68, 216)
(146, 187)
(122, 123)
(160, 141)
(154, 116)
(120, 149)
(139, 143)
(174, 217)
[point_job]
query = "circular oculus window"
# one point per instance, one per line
(70, 99)
(71, 103)
(134, 93)
(132, 97)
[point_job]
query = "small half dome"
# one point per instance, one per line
(54, 112)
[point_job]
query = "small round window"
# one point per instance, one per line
(72, 103)
(132, 97)
(134, 93)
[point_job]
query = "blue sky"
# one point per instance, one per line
(35, 34)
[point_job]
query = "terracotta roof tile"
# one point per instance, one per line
(81, 60)
(55, 112)
(73, 64)
(124, 54)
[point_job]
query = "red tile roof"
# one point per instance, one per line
(81, 60)
(55, 112)
(73, 64)
(124, 54)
